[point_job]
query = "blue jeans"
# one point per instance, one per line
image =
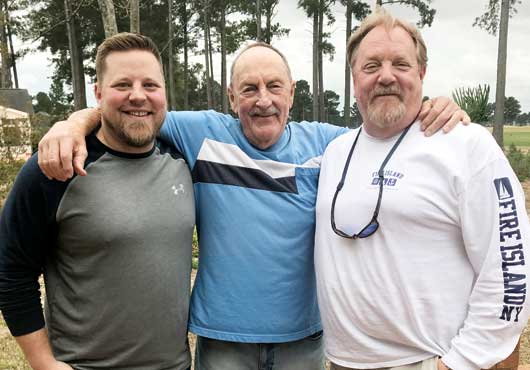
(303, 354)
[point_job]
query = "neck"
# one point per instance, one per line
(379, 132)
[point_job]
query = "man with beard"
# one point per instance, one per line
(254, 300)
(435, 277)
(117, 283)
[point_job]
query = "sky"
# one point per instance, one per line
(460, 55)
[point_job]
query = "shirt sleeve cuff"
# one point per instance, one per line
(24, 323)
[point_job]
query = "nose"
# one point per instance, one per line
(264, 99)
(386, 74)
(137, 94)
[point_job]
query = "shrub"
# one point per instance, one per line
(8, 172)
(519, 161)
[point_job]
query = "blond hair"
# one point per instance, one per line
(124, 41)
(381, 17)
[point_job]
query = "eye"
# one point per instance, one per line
(151, 85)
(403, 65)
(249, 89)
(370, 67)
(275, 86)
(121, 85)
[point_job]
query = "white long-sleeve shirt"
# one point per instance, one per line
(445, 274)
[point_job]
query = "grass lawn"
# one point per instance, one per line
(518, 135)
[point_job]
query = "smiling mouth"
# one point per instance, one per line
(137, 114)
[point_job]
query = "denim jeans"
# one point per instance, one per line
(303, 354)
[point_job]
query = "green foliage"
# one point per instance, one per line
(519, 161)
(474, 101)
(512, 108)
(13, 137)
(8, 172)
(489, 21)
(523, 119)
(302, 109)
(355, 116)
(423, 6)
(331, 103)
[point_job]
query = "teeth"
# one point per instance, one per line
(138, 114)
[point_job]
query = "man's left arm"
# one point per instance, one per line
(496, 235)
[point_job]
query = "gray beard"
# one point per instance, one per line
(386, 115)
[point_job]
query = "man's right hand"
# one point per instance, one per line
(63, 149)
(36, 348)
(57, 365)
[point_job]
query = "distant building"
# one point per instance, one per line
(15, 125)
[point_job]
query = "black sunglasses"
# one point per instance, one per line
(373, 225)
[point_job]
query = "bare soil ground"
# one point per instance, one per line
(11, 358)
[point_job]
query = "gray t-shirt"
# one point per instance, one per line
(117, 276)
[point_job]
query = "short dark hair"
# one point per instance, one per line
(124, 41)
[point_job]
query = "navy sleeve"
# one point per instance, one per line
(27, 235)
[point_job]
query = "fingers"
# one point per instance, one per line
(466, 120)
(49, 158)
(425, 108)
(80, 155)
(441, 112)
(58, 148)
(65, 156)
(43, 153)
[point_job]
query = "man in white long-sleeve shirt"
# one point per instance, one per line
(420, 242)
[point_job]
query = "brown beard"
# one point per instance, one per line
(129, 135)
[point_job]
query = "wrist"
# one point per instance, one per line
(42, 361)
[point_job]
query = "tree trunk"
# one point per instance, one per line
(78, 85)
(258, 20)
(6, 81)
(321, 111)
(171, 79)
(224, 97)
(315, 66)
(108, 16)
(268, 25)
(207, 56)
(13, 57)
(210, 55)
(185, 41)
(347, 75)
(135, 16)
(501, 73)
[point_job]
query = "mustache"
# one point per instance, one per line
(386, 90)
(264, 112)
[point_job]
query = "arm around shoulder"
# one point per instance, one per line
(63, 149)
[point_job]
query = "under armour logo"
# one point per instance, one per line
(178, 190)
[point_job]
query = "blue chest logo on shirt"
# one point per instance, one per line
(390, 180)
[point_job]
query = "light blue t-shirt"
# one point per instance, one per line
(256, 222)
